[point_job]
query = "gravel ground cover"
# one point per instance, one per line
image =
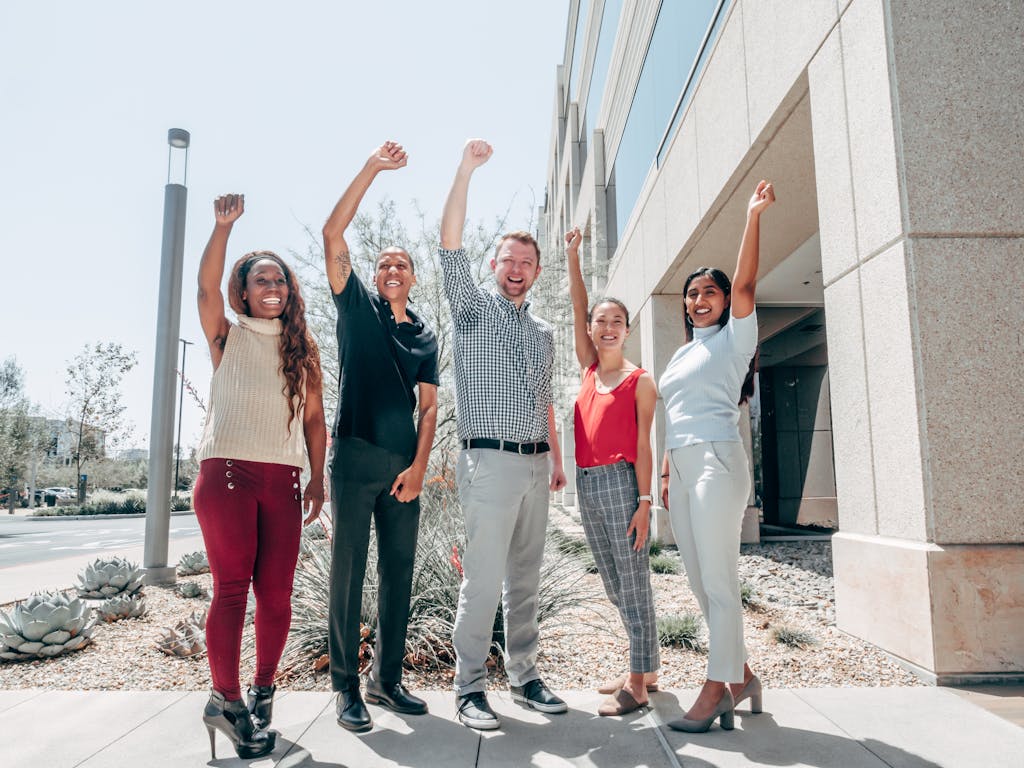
(792, 587)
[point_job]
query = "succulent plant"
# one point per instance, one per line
(191, 589)
(193, 563)
(45, 625)
(186, 638)
(122, 607)
(103, 578)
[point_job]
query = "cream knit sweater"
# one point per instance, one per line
(248, 410)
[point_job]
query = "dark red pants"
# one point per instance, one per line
(251, 516)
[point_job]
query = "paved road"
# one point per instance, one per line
(33, 541)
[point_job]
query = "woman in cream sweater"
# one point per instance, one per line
(265, 419)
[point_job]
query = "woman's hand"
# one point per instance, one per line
(640, 525)
(313, 499)
(664, 492)
(763, 196)
(227, 209)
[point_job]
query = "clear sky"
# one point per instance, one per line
(284, 102)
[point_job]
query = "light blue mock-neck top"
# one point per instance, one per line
(701, 384)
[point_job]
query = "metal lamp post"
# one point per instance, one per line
(161, 432)
(181, 400)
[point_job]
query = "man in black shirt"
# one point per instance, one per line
(379, 456)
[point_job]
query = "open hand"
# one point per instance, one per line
(573, 238)
(763, 196)
(313, 500)
(640, 526)
(389, 156)
(476, 153)
(227, 208)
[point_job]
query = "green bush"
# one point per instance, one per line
(112, 503)
(681, 632)
(748, 595)
(435, 587)
(793, 637)
(665, 564)
(573, 546)
(655, 548)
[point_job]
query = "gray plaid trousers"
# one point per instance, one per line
(607, 497)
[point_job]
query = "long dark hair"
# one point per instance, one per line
(300, 356)
(725, 285)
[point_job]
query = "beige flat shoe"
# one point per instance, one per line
(619, 703)
(616, 684)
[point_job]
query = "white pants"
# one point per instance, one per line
(505, 500)
(707, 495)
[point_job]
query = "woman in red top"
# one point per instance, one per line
(614, 410)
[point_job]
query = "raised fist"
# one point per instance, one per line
(227, 208)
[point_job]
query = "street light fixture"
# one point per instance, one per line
(168, 322)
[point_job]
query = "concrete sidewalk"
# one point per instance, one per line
(820, 728)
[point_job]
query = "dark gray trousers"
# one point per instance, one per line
(361, 479)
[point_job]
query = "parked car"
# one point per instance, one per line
(61, 492)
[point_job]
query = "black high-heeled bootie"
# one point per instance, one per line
(261, 704)
(233, 720)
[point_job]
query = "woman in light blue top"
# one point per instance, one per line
(705, 478)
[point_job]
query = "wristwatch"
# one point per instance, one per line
(646, 497)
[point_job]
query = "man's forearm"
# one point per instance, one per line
(453, 220)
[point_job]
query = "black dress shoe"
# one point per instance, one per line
(537, 696)
(394, 697)
(352, 713)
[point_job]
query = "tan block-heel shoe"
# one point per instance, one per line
(752, 691)
(724, 710)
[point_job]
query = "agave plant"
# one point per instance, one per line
(45, 625)
(122, 607)
(191, 589)
(104, 578)
(193, 563)
(186, 638)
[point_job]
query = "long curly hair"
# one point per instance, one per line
(300, 356)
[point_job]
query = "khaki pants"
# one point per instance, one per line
(505, 501)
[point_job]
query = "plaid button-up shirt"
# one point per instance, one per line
(504, 357)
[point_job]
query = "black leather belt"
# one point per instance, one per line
(526, 449)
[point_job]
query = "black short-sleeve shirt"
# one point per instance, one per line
(380, 363)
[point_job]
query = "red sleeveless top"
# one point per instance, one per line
(606, 430)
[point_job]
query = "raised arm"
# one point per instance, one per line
(586, 354)
(388, 156)
(744, 282)
(226, 210)
(453, 220)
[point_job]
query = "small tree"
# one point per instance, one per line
(22, 431)
(95, 411)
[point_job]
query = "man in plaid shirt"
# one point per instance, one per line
(510, 458)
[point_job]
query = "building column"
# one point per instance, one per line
(919, 175)
(660, 325)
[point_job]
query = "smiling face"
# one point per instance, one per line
(516, 267)
(394, 277)
(266, 289)
(608, 326)
(705, 301)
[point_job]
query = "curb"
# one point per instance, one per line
(89, 517)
